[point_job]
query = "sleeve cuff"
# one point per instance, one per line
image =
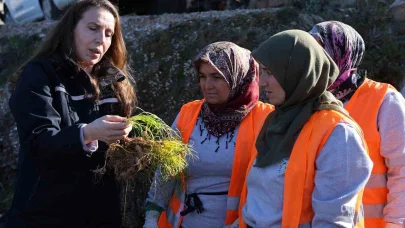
(153, 207)
(90, 147)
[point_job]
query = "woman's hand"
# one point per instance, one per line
(109, 129)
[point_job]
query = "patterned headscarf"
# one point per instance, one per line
(240, 71)
(346, 47)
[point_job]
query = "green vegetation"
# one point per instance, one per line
(156, 145)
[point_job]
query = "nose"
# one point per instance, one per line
(261, 83)
(206, 85)
(209, 84)
(100, 39)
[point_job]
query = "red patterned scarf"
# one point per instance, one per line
(240, 71)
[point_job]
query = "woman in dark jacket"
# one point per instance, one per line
(71, 100)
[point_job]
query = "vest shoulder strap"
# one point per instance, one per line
(370, 95)
(187, 118)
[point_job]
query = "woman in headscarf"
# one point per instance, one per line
(380, 111)
(312, 163)
(222, 129)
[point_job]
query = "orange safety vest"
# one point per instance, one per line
(300, 174)
(363, 108)
(245, 143)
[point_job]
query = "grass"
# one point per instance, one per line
(154, 146)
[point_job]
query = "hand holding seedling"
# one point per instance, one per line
(109, 129)
(155, 145)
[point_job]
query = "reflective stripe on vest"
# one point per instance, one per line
(250, 126)
(374, 210)
(364, 107)
(299, 176)
(170, 218)
(232, 203)
(377, 181)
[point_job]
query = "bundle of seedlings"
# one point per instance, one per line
(154, 145)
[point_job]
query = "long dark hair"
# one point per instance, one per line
(61, 39)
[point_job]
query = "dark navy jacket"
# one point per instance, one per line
(55, 185)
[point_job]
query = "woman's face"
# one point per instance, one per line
(272, 89)
(92, 36)
(213, 85)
